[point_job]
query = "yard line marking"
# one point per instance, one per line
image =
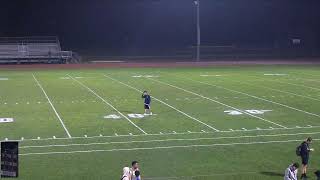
(166, 140)
(218, 102)
(256, 97)
(173, 133)
(286, 92)
(162, 147)
(193, 118)
(52, 106)
(294, 84)
(105, 101)
(313, 80)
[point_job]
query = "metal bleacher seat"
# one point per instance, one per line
(33, 50)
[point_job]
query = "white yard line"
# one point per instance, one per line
(105, 101)
(286, 92)
(168, 140)
(204, 97)
(273, 102)
(162, 147)
(187, 115)
(54, 109)
(299, 85)
(167, 134)
(273, 89)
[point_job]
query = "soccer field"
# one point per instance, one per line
(227, 122)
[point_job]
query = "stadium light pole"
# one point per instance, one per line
(197, 3)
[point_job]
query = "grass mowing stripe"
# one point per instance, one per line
(293, 84)
(286, 92)
(54, 109)
(162, 147)
(193, 118)
(272, 89)
(93, 92)
(204, 97)
(256, 97)
(204, 175)
(167, 140)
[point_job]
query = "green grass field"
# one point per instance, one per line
(208, 123)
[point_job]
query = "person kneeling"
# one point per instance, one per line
(291, 172)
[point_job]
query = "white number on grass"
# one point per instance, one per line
(6, 120)
(251, 111)
(232, 112)
(112, 116)
(136, 116)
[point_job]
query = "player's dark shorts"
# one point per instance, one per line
(305, 160)
(146, 106)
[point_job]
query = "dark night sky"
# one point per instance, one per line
(160, 23)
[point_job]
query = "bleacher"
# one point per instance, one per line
(34, 50)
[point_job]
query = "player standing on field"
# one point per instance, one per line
(147, 102)
(304, 153)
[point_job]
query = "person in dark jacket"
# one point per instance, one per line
(147, 103)
(305, 151)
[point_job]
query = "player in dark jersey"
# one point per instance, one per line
(147, 102)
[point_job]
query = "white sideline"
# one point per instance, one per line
(105, 101)
(168, 140)
(193, 118)
(167, 134)
(280, 104)
(244, 112)
(54, 109)
(160, 147)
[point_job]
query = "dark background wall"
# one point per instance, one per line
(123, 24)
